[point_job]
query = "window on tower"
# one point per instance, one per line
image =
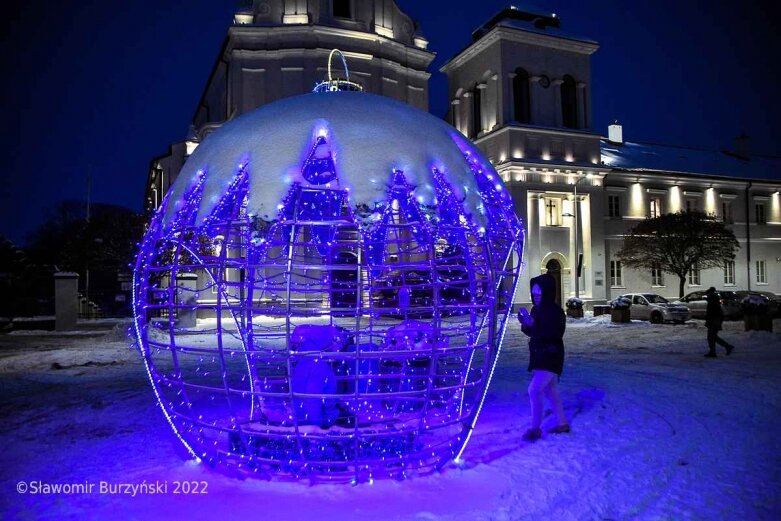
(521, 98)
(569, 102)
(477, 116)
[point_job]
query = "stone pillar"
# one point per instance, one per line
(467, 112)
(556, 84)
(455, 104)
(508, 112)
(581, 97)
(66, 301)
(536, 100)
(187, 298)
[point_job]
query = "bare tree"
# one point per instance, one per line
(677, 243)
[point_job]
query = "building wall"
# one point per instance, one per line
(490, 65)
(707, 194)
(280, 48)
(542, 161)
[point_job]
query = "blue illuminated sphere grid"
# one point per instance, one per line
(333, 338)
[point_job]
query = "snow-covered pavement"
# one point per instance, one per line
(659, 432)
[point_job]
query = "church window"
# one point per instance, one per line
(476, 112)
(569, 102)
(521, 98)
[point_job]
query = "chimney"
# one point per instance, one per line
(615, 133)
(742, 145)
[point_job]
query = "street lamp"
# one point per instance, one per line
(577, 244)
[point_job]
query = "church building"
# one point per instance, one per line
(521, 91)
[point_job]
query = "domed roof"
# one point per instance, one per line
(368, 138)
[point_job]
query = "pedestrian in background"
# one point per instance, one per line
(714, 317)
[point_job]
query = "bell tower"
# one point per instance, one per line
(523, 73)
(522, 92)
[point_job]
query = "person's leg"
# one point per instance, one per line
(552, 393)
(712, 335)
(723, 343)
(536, 386)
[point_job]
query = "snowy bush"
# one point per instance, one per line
(620, 303)
(754, 305)
(574, 303)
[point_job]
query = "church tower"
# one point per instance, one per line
(521, 91)
(523, 77)
(280, 48)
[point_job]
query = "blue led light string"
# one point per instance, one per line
(140, 304)
(176, 233)
(452, 211)
(404, 416)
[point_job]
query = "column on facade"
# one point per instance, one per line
(540, 220)
(455, 105)
(573, 244)
(581, 98)
(533, 244)
(467, 112)
(532, 227)
(535, 94)
(584, 211)
(496, 105)
(556, 84)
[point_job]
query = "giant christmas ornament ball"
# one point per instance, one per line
(324, 291)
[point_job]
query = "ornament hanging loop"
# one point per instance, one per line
(337, 84)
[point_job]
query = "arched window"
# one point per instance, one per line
(521, 100)
(477, 115)
(569, 102)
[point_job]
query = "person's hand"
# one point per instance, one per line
(525, 318)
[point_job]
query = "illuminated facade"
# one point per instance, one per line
(279, 48)
(521, 92)
(357, 309)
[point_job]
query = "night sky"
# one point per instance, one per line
(103, 86)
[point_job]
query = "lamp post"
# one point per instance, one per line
(577, 244)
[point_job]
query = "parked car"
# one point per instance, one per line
(656, 308)
(773, 300)
(730, 303)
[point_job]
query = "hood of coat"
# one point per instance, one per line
(548, 286)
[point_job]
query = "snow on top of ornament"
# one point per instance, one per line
(368, 137)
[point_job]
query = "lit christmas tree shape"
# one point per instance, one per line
(324, 291)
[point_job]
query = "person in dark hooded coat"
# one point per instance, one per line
(714, 317)
(545, 329)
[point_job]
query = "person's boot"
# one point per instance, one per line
(560, 429)
(532, 434)
(729, 349)
(710, 354)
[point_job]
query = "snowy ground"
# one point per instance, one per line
(659, 432)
